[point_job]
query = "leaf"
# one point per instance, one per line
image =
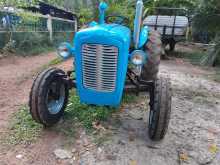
(133, 162)
(98, 126)
(213, 148)
(183, 157)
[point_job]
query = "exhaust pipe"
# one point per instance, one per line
(138, 22)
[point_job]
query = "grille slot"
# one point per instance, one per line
(99, 63)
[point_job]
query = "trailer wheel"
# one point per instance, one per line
(160, 109)
(172, 45)
(154, 50)
(48, 97)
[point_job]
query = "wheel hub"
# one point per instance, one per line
(55, 98)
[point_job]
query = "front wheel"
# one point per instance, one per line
(160, 109)
(48, 97)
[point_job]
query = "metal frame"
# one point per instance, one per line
(133, 84)
(75, 22)
(164, 36)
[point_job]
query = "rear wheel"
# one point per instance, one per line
(154, 50)
(48, 97)
(160, 109)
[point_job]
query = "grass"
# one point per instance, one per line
(129, 98)
(193, 57)
(23, 129)
(54, 62)
(34, 51)
(86, 114)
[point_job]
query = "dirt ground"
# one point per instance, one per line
(16, 74)
(193, 137)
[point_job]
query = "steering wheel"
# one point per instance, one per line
(117, 19)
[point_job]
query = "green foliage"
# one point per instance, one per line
(9, 47)
(15, 2)
(25, 130)
(118, 7)
(123, 8)
(129, 98)
(29, 35)
(207, 20)
(185, 4)
(31, 43)
(172, 3)
(85, 15)
(207, 17)
(27, 43)
(193, 57)
(84, 113)
(56, 61)
(28, 17)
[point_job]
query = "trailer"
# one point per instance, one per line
(171, 23)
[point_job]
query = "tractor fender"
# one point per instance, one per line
(143, 36)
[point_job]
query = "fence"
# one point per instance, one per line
(33, 33)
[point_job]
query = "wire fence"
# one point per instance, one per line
(33, 34)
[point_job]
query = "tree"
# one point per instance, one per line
(207, 19)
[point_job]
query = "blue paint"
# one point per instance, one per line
(93, 23)
(107, 34)
(143, 36)
(137, 23)
(102, 8)
(112, 34)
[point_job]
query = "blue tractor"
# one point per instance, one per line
(108, 61)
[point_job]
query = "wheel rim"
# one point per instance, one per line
(55, 97)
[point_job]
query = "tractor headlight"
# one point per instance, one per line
(65, 50)
(138, 57)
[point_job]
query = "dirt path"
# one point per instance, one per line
(15, 82)
(193, 137)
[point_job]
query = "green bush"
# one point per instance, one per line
(85, 16)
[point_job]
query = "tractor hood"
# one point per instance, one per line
(113, 31)
(101, 59)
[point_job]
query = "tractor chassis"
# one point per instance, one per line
(133, 84)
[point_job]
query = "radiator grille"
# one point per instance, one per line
(99, 67)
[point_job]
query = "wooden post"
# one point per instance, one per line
(50, 27)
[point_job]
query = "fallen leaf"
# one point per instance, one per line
(133, 162)
(183, 157)
(213, 148)
(98, 126)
